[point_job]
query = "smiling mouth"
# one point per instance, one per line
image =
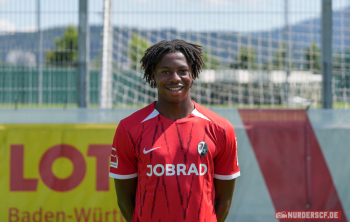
(174, 88)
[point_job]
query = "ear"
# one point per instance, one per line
(153, 79)
(192, 83)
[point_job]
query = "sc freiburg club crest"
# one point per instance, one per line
(202, 148)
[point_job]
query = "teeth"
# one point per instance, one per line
(175, 88)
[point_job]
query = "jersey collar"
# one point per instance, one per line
(155, 113)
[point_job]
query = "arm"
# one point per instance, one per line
(126, 193)
(223, 197)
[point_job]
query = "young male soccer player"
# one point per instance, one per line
(174, 160)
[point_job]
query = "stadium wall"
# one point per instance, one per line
(18, 84)
(290, 160)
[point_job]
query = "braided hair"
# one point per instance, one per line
(153, 54)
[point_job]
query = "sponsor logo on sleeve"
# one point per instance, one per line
(236, 151)
(114, 158)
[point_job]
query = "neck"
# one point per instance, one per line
(174, 110)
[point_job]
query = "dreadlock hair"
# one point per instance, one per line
(153, 54)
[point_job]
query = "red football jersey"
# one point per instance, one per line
(175, 162)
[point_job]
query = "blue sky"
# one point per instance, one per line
(184, 15)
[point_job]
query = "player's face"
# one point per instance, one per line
(173, 78)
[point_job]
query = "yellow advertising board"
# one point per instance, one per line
(57, 173)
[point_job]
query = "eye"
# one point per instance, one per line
(165, 71)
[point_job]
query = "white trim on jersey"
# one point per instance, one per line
(122, 177)
(152, 115)
(227, 177)
(196, 113)
(156, 113)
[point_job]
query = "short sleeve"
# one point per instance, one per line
(226, 162)
(123, 161)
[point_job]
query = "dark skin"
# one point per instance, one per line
(174, 79)
(171, 72)
(126, 193)
(223, 197)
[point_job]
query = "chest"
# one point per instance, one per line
(177, 143)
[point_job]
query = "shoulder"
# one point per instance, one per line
(217, 120)
(137, 117)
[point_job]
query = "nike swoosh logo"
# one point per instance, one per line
(145, 152)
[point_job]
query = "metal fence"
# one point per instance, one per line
(258, 53)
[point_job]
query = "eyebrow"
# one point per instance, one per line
(166, 67)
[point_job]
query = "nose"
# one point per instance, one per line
(175, 77)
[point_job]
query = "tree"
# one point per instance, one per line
(341, 61)
(313, 58)
(210, 61)
(137, 47)
(266, 65)
(279, 58)
(246, 59)
(66, 51)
